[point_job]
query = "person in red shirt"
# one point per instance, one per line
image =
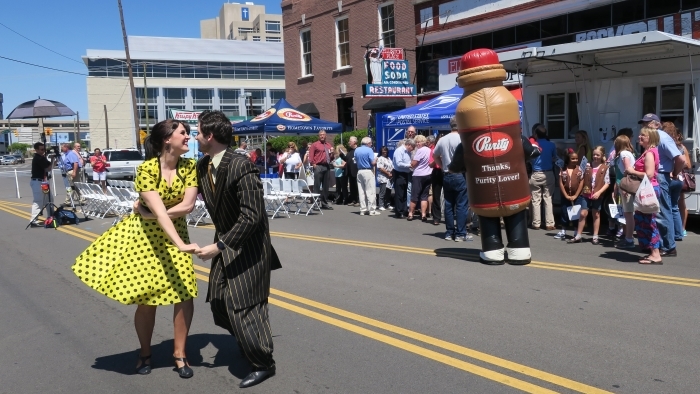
(320, 157)
(99, 168)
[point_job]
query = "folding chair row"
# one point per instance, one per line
(295, 193)
(97, 202)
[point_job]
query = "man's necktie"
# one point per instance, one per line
(212, 173)
(328, 157)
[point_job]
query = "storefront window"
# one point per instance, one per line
(560, 114)
(672, 103)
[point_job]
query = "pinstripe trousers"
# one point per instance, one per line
(251, 327)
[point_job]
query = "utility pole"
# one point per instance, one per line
(131, 78)
(145, 95)
(106, 129)
(77, 134)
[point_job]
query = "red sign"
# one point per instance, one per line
(392, 54)
(453, 65)
(492, 144)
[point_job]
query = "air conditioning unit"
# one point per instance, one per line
(343, 88)
(303, 19)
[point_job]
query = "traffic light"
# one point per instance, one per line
(16, 132)
(48, 131)
(143, 135)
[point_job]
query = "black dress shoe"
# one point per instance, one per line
(327, 207)
(257, 377)
(669, 253)
(399, 216)
(185, 371)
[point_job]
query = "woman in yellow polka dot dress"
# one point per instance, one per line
(146, 259)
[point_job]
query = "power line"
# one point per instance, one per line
(30, 40)
(40, 66)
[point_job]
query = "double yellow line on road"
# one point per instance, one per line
(292, 303)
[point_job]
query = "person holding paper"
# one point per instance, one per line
(645, 223)
(573, 204)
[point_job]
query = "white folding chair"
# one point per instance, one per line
(199, 213)
(287, 188)
(273, 202)
(314, 197)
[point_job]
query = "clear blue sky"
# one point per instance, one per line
(70, 27)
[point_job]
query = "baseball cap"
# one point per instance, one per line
(649, 118)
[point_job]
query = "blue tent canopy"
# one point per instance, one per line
(435, 112)
(284, 119)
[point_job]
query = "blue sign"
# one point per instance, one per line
(245, 13)
(395, 72)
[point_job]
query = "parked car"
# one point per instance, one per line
(122, 163)
(8, 160)
(20, 158)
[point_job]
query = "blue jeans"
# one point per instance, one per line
(676, 189)
(454, 189)
(664, 219)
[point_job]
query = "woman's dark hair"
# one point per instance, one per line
(218, 124)
(155, 141)
(567, 159)
(384, 148)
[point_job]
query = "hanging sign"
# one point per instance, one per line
(388, 73)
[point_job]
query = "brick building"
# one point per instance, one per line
(324, 54)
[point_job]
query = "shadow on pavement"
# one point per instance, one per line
(631, 256)
(228, 354)
(471, 255)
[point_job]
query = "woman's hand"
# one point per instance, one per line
(189, 248)
(595, 196)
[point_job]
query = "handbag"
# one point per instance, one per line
(630, 183)
(688, 181)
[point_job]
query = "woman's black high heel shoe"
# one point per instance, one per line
(144, 369)
(185, 371)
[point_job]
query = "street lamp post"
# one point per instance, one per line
(249, 109)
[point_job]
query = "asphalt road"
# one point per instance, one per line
(364, 305)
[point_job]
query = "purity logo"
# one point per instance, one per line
(292, 114)
(264, 115)
(492, 145)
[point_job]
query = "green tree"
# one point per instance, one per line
(19, 147)
(280, 143)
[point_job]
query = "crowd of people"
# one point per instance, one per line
(419, 177)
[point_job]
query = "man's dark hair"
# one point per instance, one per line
(37, 145)
(540, 131)
(216, 123)
(626, 132)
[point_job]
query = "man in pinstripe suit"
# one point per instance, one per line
(239, 282)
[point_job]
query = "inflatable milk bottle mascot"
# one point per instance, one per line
(489, 124)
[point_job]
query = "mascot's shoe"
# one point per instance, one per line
(519, 256)
(493, 257)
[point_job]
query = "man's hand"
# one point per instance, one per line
(208, 252)
(189, 248)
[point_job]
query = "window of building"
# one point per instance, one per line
(228, 101)
(188, 69)
(559, 112)
(245, 30)
(174, 99)
(276, 95)
(273, 39)
(256, 38)
(152, 94)
(673, 103)
(273, 27)
(386, 25)
(306, 68)
(342, 40)
(202, 99)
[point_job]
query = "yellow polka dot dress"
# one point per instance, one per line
(134, 262)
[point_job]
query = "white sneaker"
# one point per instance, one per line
(560, 235)
(374, 213)
(382, 209)
(390, 208)
(466, 238)
(363, 213)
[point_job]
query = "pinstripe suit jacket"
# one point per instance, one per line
(240, 275)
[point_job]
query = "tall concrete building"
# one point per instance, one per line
(246, 22)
